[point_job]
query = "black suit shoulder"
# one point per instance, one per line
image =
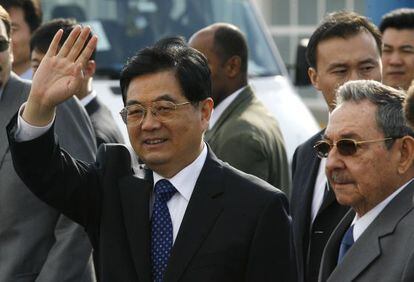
(249, 190)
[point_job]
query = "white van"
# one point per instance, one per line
(125, 26)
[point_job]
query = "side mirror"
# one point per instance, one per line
(301, 69)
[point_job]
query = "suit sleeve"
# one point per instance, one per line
(69, 258)
(68, 185)
(269, 258)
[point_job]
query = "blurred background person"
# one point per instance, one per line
(241, 131)
(397, 28)
(26, 17)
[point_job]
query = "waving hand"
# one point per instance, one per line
(59, 75)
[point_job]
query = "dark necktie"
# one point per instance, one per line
(346, 243)
(161, 229)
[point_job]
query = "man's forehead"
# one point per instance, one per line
(351, 118)
(337, 50)
(395, 37)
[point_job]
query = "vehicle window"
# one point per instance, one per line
(125, 26)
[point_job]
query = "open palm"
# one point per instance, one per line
(59, 75)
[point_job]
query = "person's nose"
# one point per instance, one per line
(354, 75)
(334, 160)
(395, 59)
(150, 121)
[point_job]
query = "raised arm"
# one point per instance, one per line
(59, 75)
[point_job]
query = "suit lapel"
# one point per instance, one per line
(330, 254)
(135, 195)
(11, 99)
(308, 181)
(242, 99)
(368, 247)
(330, 198)
(201, 214)
(92, 106)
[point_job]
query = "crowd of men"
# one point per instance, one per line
(203, 194)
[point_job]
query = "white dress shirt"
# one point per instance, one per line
(88, 98)
(362, 223)
(220, 108)
(28, 74)
(184, 181)
(319, 190)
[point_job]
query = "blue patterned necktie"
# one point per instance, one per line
(346, 243)
(161, 229)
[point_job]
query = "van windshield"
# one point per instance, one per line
(125, 26)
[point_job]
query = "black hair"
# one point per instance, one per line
(172, 53)
(342, 24)
(400, 19)
(31, 9)
(230, 41)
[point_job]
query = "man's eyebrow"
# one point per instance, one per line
(336, 65)
(164, 97)
(368, 61)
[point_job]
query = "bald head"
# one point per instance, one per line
(225, 48)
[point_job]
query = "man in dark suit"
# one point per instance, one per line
(370, 168)
(345, 46)
(190, 217)
(242, 132)
(37, 242)
(104, 125)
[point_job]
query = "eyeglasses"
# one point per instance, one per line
(346, 147)
(162, 110)
(4, 44)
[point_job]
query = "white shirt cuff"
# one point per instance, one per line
(26, 131)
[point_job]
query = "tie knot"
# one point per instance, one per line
(164, 190)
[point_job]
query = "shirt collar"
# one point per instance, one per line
(362, 223)
(88, 98)
(220, 108)
(185, 180)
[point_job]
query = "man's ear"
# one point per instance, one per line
(233, 66)
(314, 77)
(90, 68)
(206, 107)
(406, 148)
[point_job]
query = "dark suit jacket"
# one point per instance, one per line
(248, 138)
(104, 125)
(235, 228)
(37, 243)
(384, 252)
(309, 241)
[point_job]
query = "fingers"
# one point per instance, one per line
(87, 52)
(73, 48)
(79, 44)
(54, 45)
(68, 45)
